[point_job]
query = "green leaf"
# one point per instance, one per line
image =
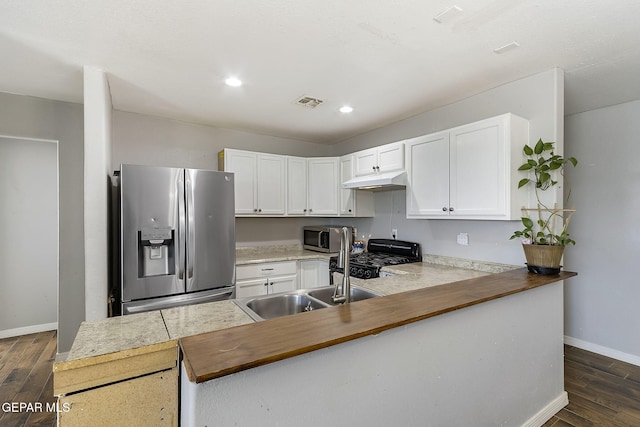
(525, 167)
(527, 222)
(527, 150)
(548, 146)
(544, 177)
(539, 147)
(523, 182)
(555, 165)
(573, 161)
(532, 162)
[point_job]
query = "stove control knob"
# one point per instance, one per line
(353, 271)
(360, 272)
(367, 274)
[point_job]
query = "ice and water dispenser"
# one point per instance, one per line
(156, 251)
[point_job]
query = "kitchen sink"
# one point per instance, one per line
(325, 294)
(288, 303)
(278, 305)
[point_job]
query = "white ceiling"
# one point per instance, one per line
(389, 59)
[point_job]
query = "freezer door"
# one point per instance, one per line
(152, 238)
(211, 236)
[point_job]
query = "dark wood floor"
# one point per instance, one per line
(602, 391)
(25, 376)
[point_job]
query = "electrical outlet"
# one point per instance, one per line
(394, 233)
(463, 239)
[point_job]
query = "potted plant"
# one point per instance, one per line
(545, 234)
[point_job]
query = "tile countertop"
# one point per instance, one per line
(260, 254)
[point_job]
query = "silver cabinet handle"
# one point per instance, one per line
(450, 209)
(255, 210)
(444, 209)
(259, 210)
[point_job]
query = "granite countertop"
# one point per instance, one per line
(201, 318)
(115, 334)
(118, 334)
(260, 254)
(419, 275)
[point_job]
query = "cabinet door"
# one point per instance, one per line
(244, 165)
(391, 157)
(296, 186)
(478, 169)
(282, 284)
(313, 273)
(271, 184)
(323, 186)
(347, 196)
(323, 272)
(366, 161)
(251, 287)
(428, 176)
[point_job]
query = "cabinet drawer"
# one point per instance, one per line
(266, 269)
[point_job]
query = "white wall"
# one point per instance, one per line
(538, 98)
(29, 236)
(62, 121)
(146, 140)
(97, 161)
(499, 363)
(602, 312)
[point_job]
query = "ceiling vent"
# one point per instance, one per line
(309, 101)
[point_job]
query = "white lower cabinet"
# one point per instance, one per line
(263, 279)
(313, 273)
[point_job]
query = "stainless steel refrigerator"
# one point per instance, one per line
(177, 237)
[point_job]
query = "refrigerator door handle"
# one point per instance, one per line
(191, 246)
(180, 247)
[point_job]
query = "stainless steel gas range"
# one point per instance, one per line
(380, 253)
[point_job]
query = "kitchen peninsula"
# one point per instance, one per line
(483, 349)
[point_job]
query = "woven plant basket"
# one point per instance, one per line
(548, 256)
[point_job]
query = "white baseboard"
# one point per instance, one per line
(8, 333)
(605, 351)
(548, 411)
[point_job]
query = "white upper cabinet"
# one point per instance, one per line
(353, 202)
(323, 184)
(260, 181)
(347, 196)
(428, 176)
(297, 187)
(468, 172)
(384, 158)
(312, 186)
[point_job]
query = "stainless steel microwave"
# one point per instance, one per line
(324, 238)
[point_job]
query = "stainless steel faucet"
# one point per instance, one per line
(342, 292)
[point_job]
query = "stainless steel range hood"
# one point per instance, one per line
(378, 182)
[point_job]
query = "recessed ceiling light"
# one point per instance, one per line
(346, 109)
(233, 82)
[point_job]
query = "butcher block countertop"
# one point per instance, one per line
(218, 353)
